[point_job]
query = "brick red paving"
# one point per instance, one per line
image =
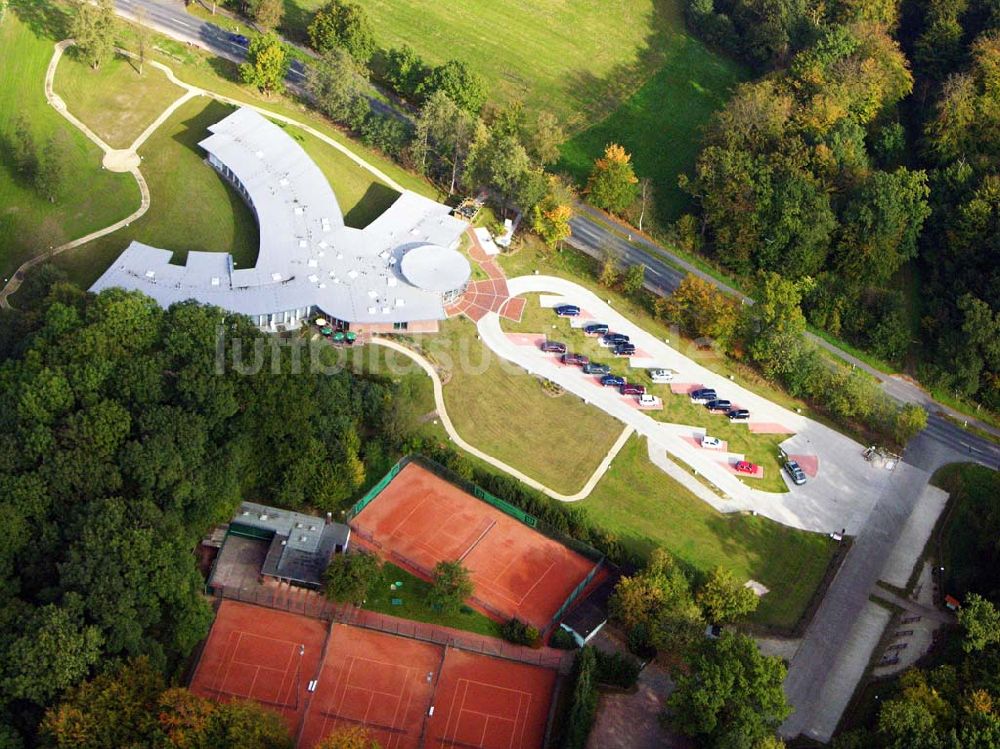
(767, 427)
(758, 474)
(489, 295)
(808, 463)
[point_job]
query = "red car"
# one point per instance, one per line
(630, 388)
(578, 359)
(745, 466)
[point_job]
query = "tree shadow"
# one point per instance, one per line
(374, 203)
(45, 19)
(296, 21)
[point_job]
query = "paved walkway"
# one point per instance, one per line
(491, 295)
(449, 427)
(840, 496)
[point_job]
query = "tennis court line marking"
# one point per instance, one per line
(519, 722)
(232, 659)
(475, 543)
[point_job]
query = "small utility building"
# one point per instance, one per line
(298, 546)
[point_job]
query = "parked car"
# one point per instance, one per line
(649, 401)
(554, 347)
(578, 359)
(711, 443)
(596, 369)
(610, 340)
(567, 310)
(624, 349)
(630, 388)
(719, 405)
(239, 39)
(595, 328)
(796, 473)
(739, 414)
(662, 376)
(610, 379)
(703, 395)
(745, 466)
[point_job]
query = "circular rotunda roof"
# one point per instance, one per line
(435, 268)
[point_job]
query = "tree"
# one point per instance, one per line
(723, 599)
(732, 696)
(552, 223)
(405, 71)
(54, 650)
(93, 29)
(701, 310)
(24, 150)
(267, 63)
(450, 587)
(349, 737)
(345, 25)
(881, 224)
(612, 181)
(445, 130)
(142, 35)
(911, 420)
(773, 327)
(634, 278)
(349, 577)
(268, 13)
(610, 271)
(339, 88)
(52, 167)
(463, 86)
(980, 622)
(497, 160)
(545, 139)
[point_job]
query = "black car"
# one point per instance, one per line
(567, 310)
(624, 349)
(611, 339)
(595, 328)
(554, 347)
(596, 369)
(739, 414)
(612, 380)
(718, 405)
(703, 394)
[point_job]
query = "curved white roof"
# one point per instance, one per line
(307, 256)
(435, 268)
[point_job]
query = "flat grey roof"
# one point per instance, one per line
(307, 256)
(435, 268)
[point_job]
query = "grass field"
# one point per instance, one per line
(92, 198)
(414, 605)
(660, 124)
(505, 412)
(113, 100)
(647, 509)
(677, 409)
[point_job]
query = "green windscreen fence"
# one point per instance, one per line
(375, 490)
(574, 595)
(507, 507)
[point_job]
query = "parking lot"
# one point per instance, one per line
(840, 493)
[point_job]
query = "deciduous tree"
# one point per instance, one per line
(980, 623)
(461, 84)
(349, 577)
(612, 181)
(340, 88)
(450, 587)
(723, 599)
(349, 737)
(94, 31)
(267, 63)
(268, 13)
(346, 25)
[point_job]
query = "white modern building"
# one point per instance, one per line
(397, 273)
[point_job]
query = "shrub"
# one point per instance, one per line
(562, 640)
(583, 703)
(518, 632)
(616, 669)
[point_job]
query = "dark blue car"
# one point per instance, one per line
(239, 39)
(612, 380)
(567, 310)
(595, 328)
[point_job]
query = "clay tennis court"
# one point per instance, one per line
(384, 682)
(260, 654)
(424, 519)
(487, 702)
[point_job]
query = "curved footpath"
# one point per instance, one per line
(449, 427)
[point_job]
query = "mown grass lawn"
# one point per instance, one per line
(191, 206)
(661, 123)
(647, 509)
(91, 197)
(505, 412)
(412, 597)
(114, 101)
(677, 409)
